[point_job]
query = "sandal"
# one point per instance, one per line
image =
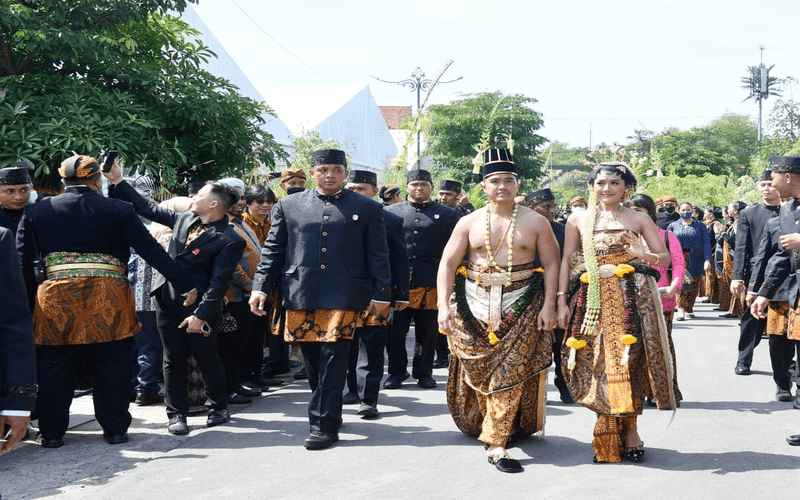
(506, 464)
(635, 454)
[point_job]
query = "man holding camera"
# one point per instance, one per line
(76, 246)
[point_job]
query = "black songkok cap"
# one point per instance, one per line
(418, 175)
(387, 192)
(450, 185)
(540, 196)
(787, 165)
(330, 157)
(363, 177)
(15, 175)
(766, 175)
(497, 160)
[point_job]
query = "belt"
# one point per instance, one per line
(73, 267)
(500, 278)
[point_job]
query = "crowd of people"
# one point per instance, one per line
(204, 301)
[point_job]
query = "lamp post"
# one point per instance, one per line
(418, 82)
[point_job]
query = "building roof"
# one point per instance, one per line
(395, 115)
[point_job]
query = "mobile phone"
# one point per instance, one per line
(108, 160)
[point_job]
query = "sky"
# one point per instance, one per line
(598, 69)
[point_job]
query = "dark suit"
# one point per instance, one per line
(781, 349)
(9, 219)
(426, 230)
(84, 221)
(367, 355)
(326, 252)
(17, 357)
(749, 229)
(209, 260)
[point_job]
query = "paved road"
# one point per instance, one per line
(727, 441)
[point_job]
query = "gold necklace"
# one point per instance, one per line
(509, 236)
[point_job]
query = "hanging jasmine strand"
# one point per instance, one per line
(510, 233)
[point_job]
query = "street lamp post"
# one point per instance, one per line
(418, 82)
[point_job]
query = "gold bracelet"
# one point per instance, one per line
(560, 293)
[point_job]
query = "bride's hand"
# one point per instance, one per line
(634, 245)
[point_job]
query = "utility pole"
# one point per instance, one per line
(419, 83)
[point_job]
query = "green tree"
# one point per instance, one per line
(125, 74)
(453, 130)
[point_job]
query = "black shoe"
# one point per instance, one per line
(427, 383)
(178, 426)
(368, 411)
(116, 438)
(566, 397)
(267, 382)
(218, 417)
(274, 372)
(350, 399)
(506, 464)
(393, 382)
(248, 392)
(742, 370)
(51, 442)
(238, 399)
(793, 440)
(300, 375)
(147, 398)
(318, 440)
(635, 454)
(649, 402)
(441, 363)
(728, 316)
(784, 395)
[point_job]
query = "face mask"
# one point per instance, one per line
(32, 197)
(686, 215)
(578, 210)
(293, 190)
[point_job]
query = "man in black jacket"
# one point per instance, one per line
(752, 221)
(84, 311)
(15, 190)
(207, 248)
(427, 226)
(365, 369)
(17, 370)
(327, 251)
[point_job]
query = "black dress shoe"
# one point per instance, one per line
(350, 399)
(318, 440)
(300, 374)
(178, 426)
(52, 442)
(368, 412)
(248, 392)
(218, 417)
(267, 382)
(793, 440)
(784, 395)
(427, 383)
(742, 370)
(238, 399)
(116, 438)
(566, 397)
(147, 398)
(506, 464)
(393, 382)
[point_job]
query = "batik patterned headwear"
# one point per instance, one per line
(292, 173)
(78, 167)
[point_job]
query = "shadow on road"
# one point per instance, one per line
(742, 406)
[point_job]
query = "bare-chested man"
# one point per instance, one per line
(500, 318)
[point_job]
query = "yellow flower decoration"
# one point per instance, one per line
(629, 339)
(493, 340)
(585, 278)
(623, 269)
(462, 271)
(576, 344)
(539, 270)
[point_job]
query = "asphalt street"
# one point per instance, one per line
(726, 441)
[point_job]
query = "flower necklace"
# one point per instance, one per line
(509, 236)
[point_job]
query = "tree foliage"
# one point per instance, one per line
(85, 75)
(453, 130)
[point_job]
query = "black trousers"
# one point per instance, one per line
(426, 328)
(781, 352)
(57, 368)
(326, 364)
(178, 345)
(278, 357)
(232, 344)
(442, 350)
(253, 354)
(558, 339)
(365, 369)
(750, 331)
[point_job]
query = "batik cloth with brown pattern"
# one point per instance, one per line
(497, 391)
(322, 325)
(84, 309)
(422, 298)
(630, 305)
(777, 318)
(793, 324)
